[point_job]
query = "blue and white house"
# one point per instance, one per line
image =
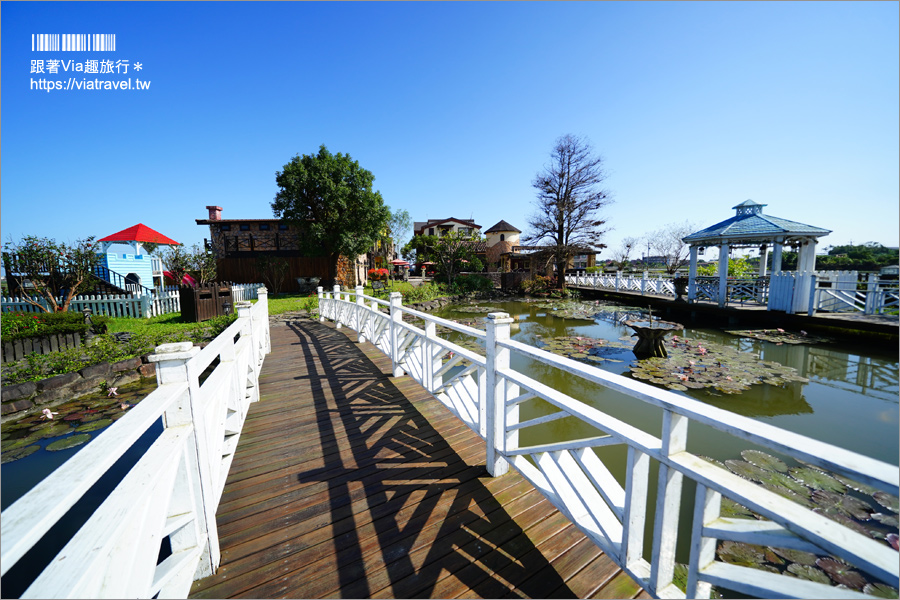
(127, 264)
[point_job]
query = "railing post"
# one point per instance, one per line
(707, 505)
(396, 319)
(496, 360)
(431, 364)
(618, 278)
(321, 295)
(262, 297)
(668, 503)
(644, 283)
(337, 306)
(172, 367)
(360, 311)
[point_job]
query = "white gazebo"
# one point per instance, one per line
(750, 228)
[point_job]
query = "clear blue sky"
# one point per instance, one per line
(454, 107)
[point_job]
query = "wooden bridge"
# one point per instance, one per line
(350, 483)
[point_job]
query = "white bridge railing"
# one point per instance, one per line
(878, 297)
(173, 490)
(621, 283)
(486, 394)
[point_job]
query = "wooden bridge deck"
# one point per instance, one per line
(351, 483)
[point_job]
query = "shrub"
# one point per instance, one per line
(468, 284)
(594, 269)
(539, 284)
(423, 293)
(17, 326)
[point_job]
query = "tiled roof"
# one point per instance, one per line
(751, 223)
(502, 226)
(420, 225)
(139, 233)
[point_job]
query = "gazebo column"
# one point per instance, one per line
(776, 257)
(723, 274)
(692, 275)
(807, 259)
(763, 255)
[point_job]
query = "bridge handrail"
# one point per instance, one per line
(173, 489)
(487, 395)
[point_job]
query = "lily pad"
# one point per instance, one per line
(809, 573)
(11, 455)
(779, 336)
(888, 520)
(741, 554)
(53, 430)
(849, 505)
(855, 485)
(842, 573)
(732, 509)
(879, 590)
(69, 442)
(745, 470)
(94, 425)
(817, 479)
(764, 461)
(887, 500)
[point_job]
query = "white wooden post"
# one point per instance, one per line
(243, 312)
(812, 296)
(635, 517)
(360, 314)
(707, 504)
(262, 297)
(496, 359)
(396, 319)
(668, 503)
(320, 293)
(643, 283)
(723, 275)
(146, 302)
(431, 364)
(171, 367)
(337, 306)
(776, 257)
(763, 259)
(618, 279)
(871, 306)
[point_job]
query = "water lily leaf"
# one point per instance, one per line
(787, 493)
(835, 514)
(886, 500)
(76, 416)
(641, 375)
(677, 387)
(53, 430)
(745, 470)
(849, 505)
(817, 479)
(879, 590)
(69, 442)
(787, 482)
(94, 425)
(773, 558)
(764, 461)
(732, 509)
(796, 556)
(855, 485)
(809, 573)
(888, 520)
(744, 555)
(842, 573)
(11, 455)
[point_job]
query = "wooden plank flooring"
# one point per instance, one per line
(348, 483)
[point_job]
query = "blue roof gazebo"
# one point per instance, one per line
(750, 228)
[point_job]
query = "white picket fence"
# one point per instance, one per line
(161, 302)
(644, 284)
(173, 490)
(486, 393)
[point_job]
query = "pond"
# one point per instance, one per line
(837, 393)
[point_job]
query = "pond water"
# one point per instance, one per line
(841, 394)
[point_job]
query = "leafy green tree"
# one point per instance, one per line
(177, 261)
(55, 270)
(569, 197)
(451, 253)
(737, 267)
(203, 263)
(328, 199)
(399, 225)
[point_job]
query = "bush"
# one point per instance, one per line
(468, 284)
(539, 284)
(594, 269)
(17, 326)
(423, 293)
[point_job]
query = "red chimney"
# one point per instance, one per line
(215, 213)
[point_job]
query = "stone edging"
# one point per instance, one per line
(24, 398)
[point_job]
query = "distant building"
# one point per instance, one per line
(441, 227)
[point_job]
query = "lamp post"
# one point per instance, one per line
(226, 308)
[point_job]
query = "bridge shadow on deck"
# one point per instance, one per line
(351, 483)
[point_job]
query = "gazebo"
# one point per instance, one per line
(750, 228)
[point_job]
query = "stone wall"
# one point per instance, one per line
(68, 386)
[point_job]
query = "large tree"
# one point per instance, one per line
(57, 271)
(451, 253)
(570, 195)
(328, 199)
(666, 242)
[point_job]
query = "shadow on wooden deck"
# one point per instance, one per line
(351, 483)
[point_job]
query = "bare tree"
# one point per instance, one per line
(666, 242)
(622, 254)
(569, 196)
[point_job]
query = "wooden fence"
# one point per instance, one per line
(245, 270)
(173, 490)
(19, 349)
(485, 392)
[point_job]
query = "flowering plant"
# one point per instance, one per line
(378, 274)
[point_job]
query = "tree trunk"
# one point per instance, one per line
(333, 268)
(561, 275)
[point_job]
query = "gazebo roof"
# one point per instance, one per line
(139, 233)
(750, 225)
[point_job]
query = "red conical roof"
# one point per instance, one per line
(139, 233)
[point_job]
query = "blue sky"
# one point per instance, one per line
(454, 107)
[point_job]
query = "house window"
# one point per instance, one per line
(502, 236)
(225, 227)
(282, 227)
(431, 231)
(264, 227)
(245, 227)
(465, 230)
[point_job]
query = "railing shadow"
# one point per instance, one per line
(431, 510)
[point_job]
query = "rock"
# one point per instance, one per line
(102, 370)
(129, 364)
(148, 370)
(19, 391)
(11, 407)
(54, 383)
